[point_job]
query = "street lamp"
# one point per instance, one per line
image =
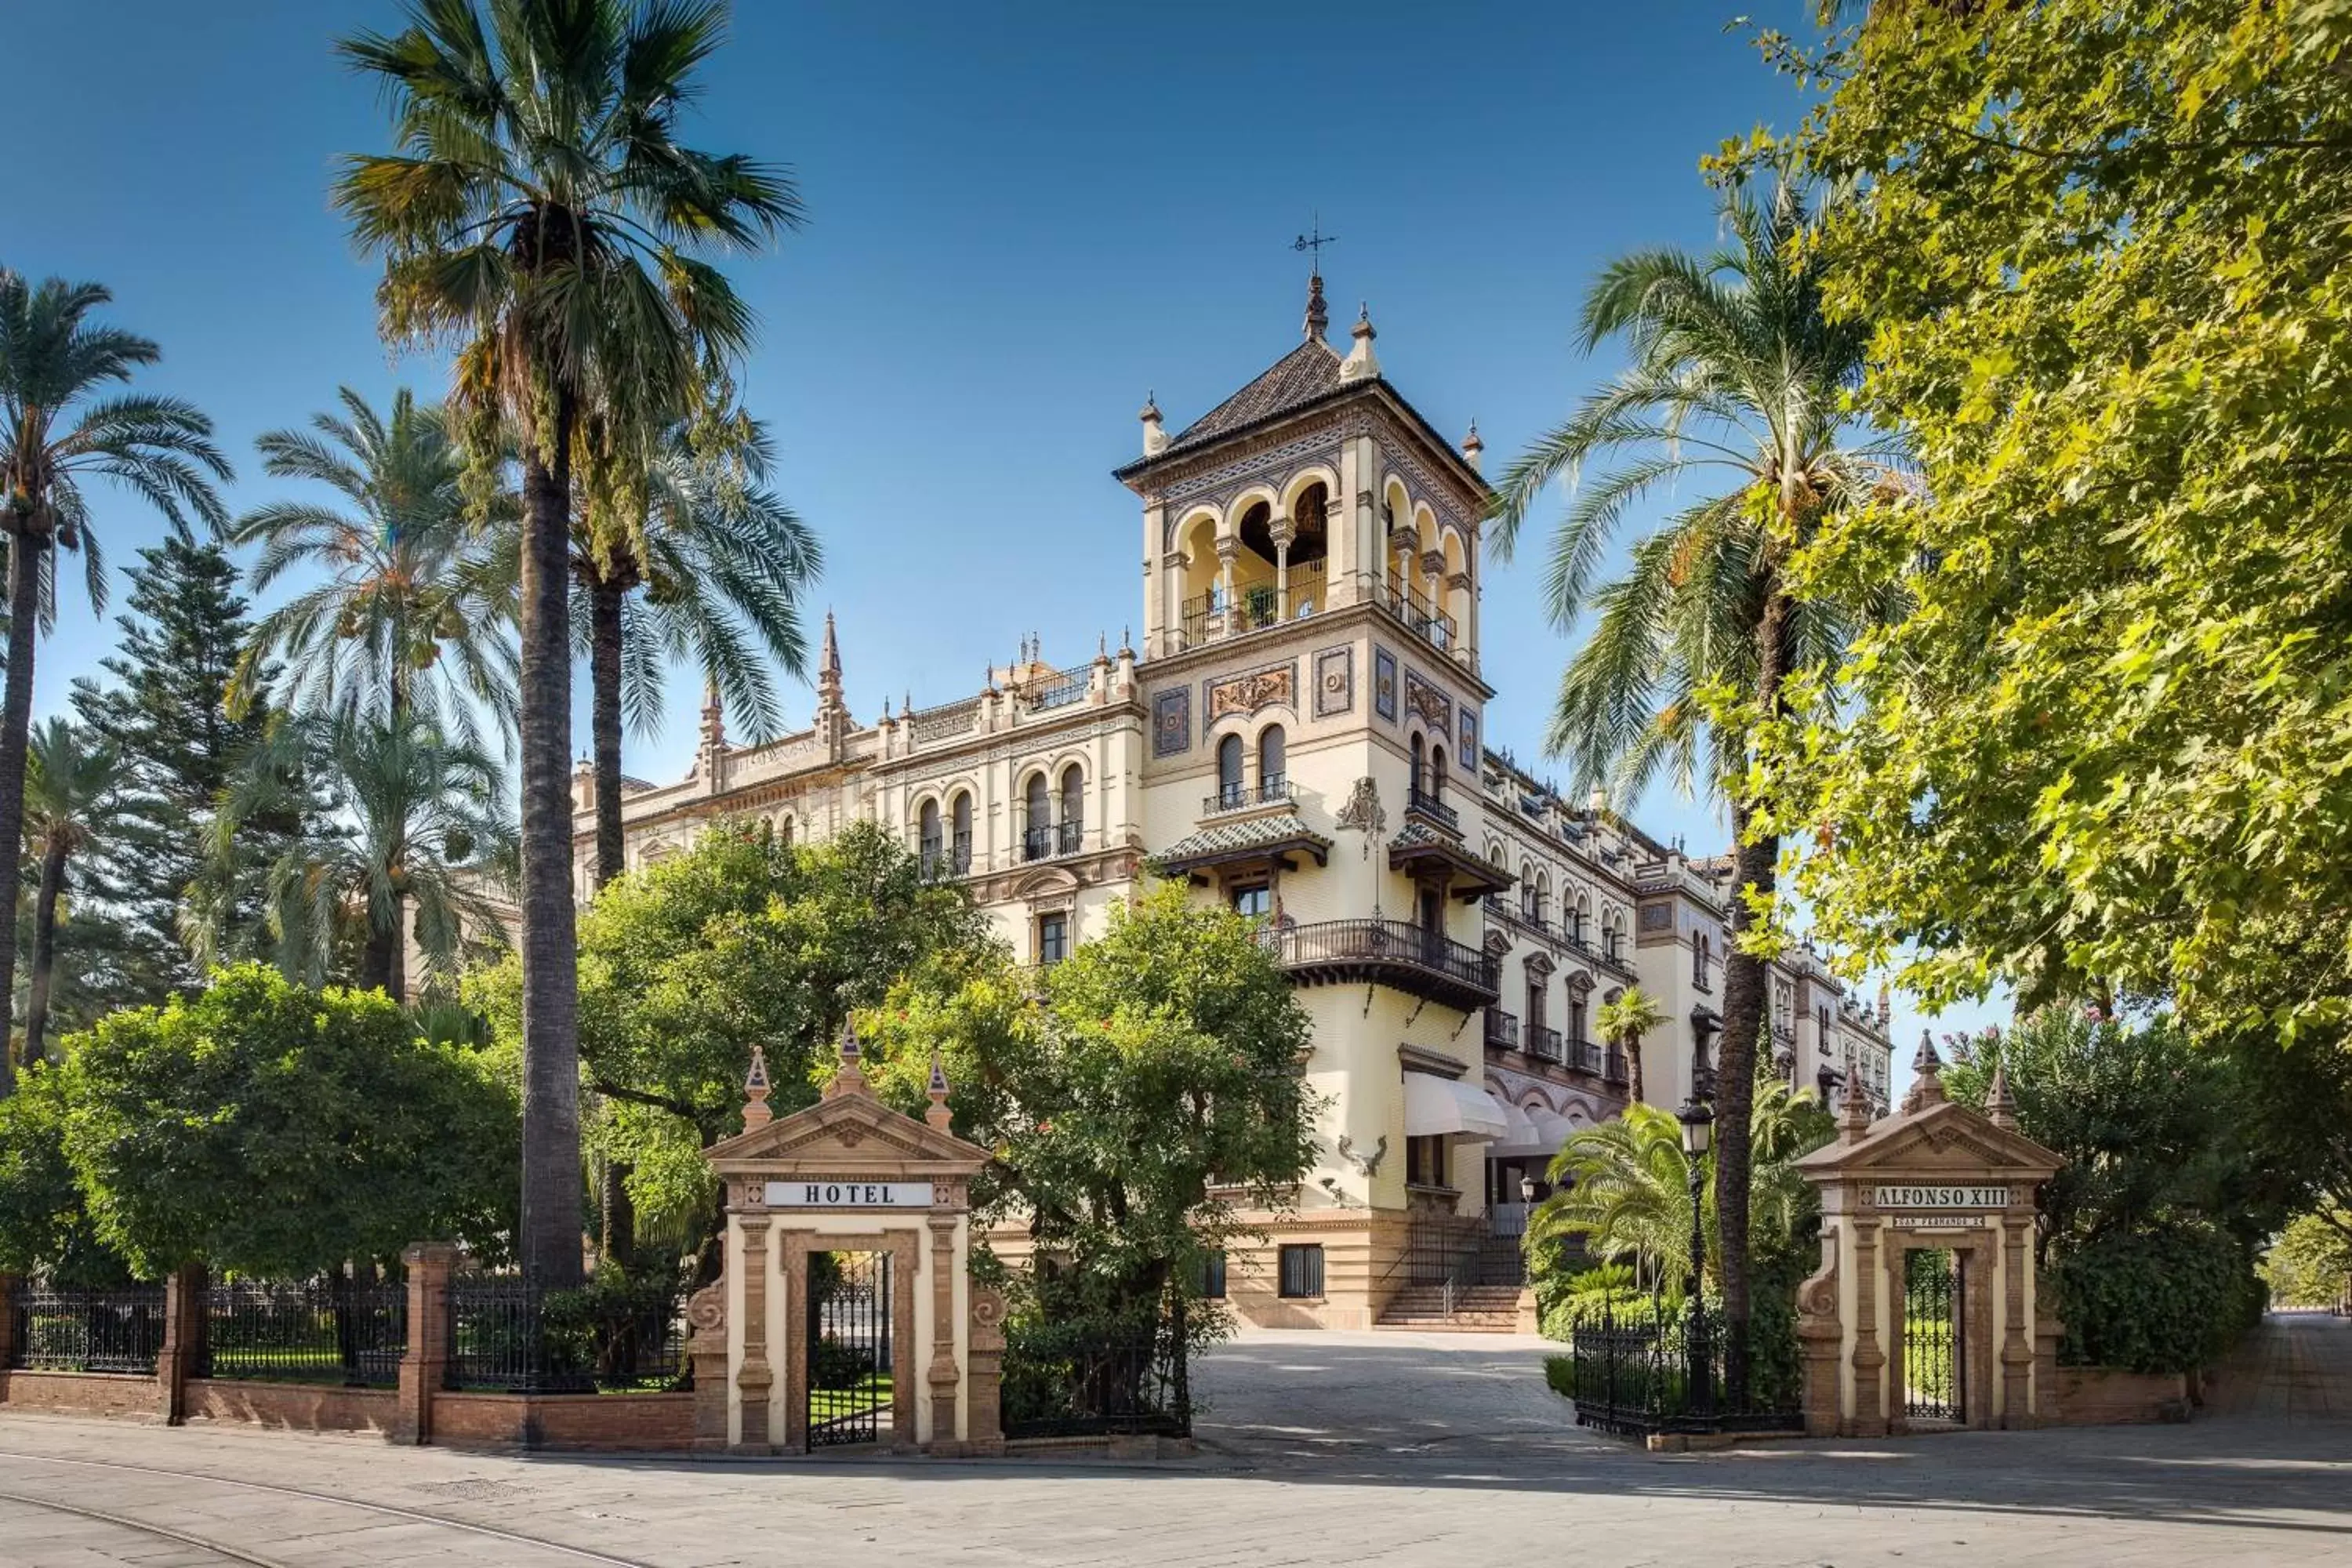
(1526, 1189)
(1698, 1132)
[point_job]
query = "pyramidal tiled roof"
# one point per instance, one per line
(1300, 376)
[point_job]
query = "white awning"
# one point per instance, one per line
(1435, 1105)
(1537, 1132)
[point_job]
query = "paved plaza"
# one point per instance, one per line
(1316, 1449)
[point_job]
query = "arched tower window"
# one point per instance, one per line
(1419, 781)
(926, 833)
(1437, 772)
(1229, 771)
(1037, 819)
(1073, 808)
(784, 833)
(960, 824)
(1272, 762)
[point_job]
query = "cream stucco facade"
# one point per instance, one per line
(1302, 733)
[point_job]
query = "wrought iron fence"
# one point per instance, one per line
(1642, 1369)
(337, 1329)
(1065, 688)
(506, 1335)
(87, 1331)
(1093, 1379)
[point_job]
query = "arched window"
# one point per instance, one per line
(1036, 820)
(1699, 955)
(959, 828)
(1583, 915)
(1073, 808)
(1273, 763)
(1229, 771)
(1543, 896)
(926, 833)
(1437, 772)
(784, 831)
(1420, 766)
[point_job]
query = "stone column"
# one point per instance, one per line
(1284, 531)
(425, 1361)
(706, 1315)
(987, 1355)
(1229, 549)
(185, 1302)
(2016, 1349)
(1869, 1360)
(942, 1375)
(755, 1377)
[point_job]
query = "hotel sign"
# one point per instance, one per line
(804, 1194)
(1922, 1198)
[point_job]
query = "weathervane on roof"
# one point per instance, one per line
(1315, 242)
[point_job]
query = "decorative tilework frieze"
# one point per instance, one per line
(1657, 917)
(1384, 683)
(1335, 681)
(1428, 702)
(1469, 732)
(1172, 721)
(1268, 686)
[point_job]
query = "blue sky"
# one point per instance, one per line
(1022, 218)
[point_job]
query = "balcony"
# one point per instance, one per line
(1613, 1066)
(1583, 1055)
(1502, 1029)
(1420, 963)
(942, 860)
(1276, 791)
(1544, 1043)
(1421, 617)
(1419, 802)
(1045, 840)
(1253, 607)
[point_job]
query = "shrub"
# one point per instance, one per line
(2163, 1300)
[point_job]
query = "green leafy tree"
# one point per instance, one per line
(58, 431)
(542, 214)
(268, 1128)
(44, 1226)
(742, 941)
(1622, 1020)
(2310, 1264)
(162, 705)
(408, 615)
(422, 843)
(1156, 1073)
(1734, 392)
(73, 798)
(2102, 756)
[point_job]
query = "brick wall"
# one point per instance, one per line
(611, 1423)
(2101, 1395)
(83, 1393)
(293, 1406)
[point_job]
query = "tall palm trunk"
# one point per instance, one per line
(1744, 982)
(551, 1228)
(604, 720)
(44, 943)
(384, 964)
(16, 722)
(1633, 1069)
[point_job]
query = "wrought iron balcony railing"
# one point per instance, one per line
(1502, 1029)
(1415, 960)
(941, 859)
(1273, 791)
(1045, 840)
(1419, 802)
(1544, 1043)
(1424, 619)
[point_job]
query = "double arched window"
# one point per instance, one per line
(1273, 763)
(1229, 771)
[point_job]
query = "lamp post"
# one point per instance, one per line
(1698, 1131)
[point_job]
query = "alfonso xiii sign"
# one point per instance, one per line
(1893, 1197)
(800, 1194)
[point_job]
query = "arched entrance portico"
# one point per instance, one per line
(848, 1312)
(1925, 1311)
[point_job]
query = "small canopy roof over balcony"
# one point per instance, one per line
(1252, 840)
(1434, 1105)
(1425, 854)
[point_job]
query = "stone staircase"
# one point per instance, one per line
(1477, 1309)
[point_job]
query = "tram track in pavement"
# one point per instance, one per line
(240, 1555)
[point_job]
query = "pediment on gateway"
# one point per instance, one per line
(1936, 1140)
(850, 1135)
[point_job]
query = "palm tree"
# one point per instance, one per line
(541, 211)
(424, 830)
(1622, 1020)
(722, 564)
(1623, 1187)
(73, 796)
(56, 433)
(1732, 391)
(407, 615)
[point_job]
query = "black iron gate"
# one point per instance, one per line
(1935, 1348)
(848, 1348)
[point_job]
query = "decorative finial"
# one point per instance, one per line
(938, 1115)
(1102, 648)
(2000, 1106)
(1150, 414)
(1927, 1076)
(1155, 434)
(1318, 316)
(1361, 364)
(1363, 327)
(885, 710)
(1473, 446)
(755, 1091)
(1854, 1116)
(851, 1077)
(1126, 642)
